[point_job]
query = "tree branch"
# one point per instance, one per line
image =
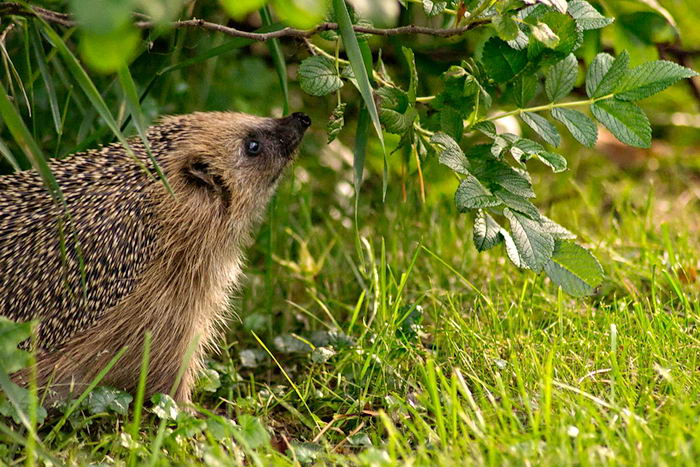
(11, 8)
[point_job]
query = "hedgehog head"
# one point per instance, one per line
(230, 158)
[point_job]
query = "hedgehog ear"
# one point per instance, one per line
(197, 171)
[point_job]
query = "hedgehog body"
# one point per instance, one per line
(125, 256)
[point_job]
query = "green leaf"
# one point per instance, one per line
(543, 33)
(102, 16)
(318, 76)
(239, 9)
(535, 245)
(510, 179)
(303, 14)
(557, 231)
(164, 407)
(625, 120)
(606, 73)
(433, 8)
(561, 25)
(451, 154)
(104, 399)
(574, 269)
(582, 128)
(487, 232)
(471, 194)
(651, 78)
(360, 70)
(107, 52)
(554, 161)
(501, 62)
(336, 122)
(413, 73)
(251, 432)
(512, 249)
(524, 89)
(517, 203)
(398, 123)
(451, 123)
(506, 27)
(586, 16)
(560, 78)
(542, 127)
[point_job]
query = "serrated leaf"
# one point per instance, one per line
(506, 27)
(251, 432)
(542, 127)
(512, 249)
(565, 28)
(318, 76)
(471, 194)
(559, 5)
(511, 180)
(574, 269)
(433, 8)
(543, 33)
(651, 78)
(586, 16)
(606, 73)
(336, 122)
(105, 399)
(625, 120)
(560, 78)
(517, 203)
(451, 154)
(555, 229)
(524, 89)
(413, 73)
(487, 232)
(164, 407)
(487, 128)
(396, 122)
(554, 161)
(451, 123)
(535, 245)
(501, 62)
(582, 128)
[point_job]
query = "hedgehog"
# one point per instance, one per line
(127, 254)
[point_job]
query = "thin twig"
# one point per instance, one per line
(11, 8)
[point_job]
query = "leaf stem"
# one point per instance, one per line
(549, 106)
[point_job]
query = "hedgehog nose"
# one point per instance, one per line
(302, 118)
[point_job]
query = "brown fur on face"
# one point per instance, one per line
(153, 262)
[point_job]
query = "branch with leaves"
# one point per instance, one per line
(527, 63)
(62, 19)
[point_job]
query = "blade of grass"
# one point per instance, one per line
(88, 87)
(93, 384)
(160, 435)
(359, 69)
(132, 100)
(7, 154)
(277, 57)
(140, 392)
(29, 146)
(42, 60)
(294, 386)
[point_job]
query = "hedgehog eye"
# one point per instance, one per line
(253, 147)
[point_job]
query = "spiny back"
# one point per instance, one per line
(109, 238)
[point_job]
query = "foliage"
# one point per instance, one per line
(413, 349)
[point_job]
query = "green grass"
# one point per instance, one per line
(404, 346)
